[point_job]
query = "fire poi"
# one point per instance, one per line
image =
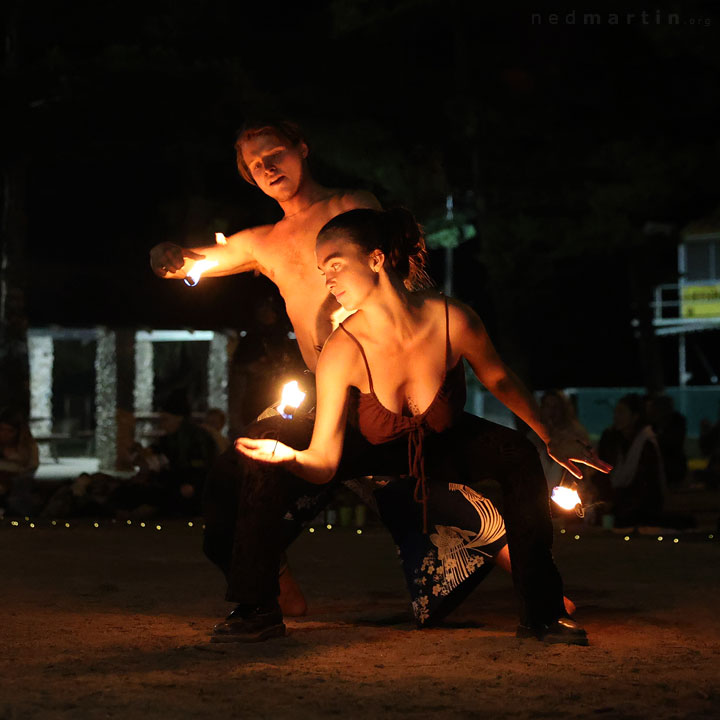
(202, 266)
(290, 400)
(566, 496)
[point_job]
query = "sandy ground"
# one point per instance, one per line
(114, 622)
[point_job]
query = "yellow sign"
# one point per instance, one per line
(700, 301)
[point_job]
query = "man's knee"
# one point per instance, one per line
(295, 432)
(217, 548)
(223, 480)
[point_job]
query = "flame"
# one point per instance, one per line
(567, 498)
(193, 277)
(292, 397)
(220, 239)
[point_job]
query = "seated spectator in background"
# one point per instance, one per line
(670, 429)
(19, 459)
(557, 412)
(190, 450)
(635, 488)
(214, 425)
(710, 448)
(173, 470)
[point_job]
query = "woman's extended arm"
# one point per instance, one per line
(319, 462)
(470, 339)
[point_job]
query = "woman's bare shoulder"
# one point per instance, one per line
(459, 314)
(339, 349)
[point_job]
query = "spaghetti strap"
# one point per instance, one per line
(447, 332)
(362, 352)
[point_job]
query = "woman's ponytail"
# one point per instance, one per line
(406, 248)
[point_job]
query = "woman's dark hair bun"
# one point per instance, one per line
(408, 252)
(404, 231)
(395, 232)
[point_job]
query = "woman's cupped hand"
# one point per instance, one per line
(265, 450)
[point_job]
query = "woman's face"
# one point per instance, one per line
(350, 273)
(624, 418)
(552, 410)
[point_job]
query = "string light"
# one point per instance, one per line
(329, 526)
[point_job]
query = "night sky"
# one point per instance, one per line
(559, 143)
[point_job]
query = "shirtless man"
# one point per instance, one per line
(246, 536)
(275, 159)
(273, 156)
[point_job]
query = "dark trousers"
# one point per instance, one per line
(254, 511)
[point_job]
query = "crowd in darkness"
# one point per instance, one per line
(645, 444)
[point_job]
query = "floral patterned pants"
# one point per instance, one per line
(254, 511)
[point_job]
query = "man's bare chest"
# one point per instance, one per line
(287, 255)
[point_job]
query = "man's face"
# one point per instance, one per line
(276, 166)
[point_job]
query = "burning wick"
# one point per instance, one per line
(290, 400)
(566, 496)
(193, 277)
(201, 266)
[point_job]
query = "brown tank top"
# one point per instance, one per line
(379, 425)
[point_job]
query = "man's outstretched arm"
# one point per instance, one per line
(172, 261)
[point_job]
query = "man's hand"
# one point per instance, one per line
(567, 448)
(168, 258)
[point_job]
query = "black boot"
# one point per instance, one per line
(563, 631)
(250, 624)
